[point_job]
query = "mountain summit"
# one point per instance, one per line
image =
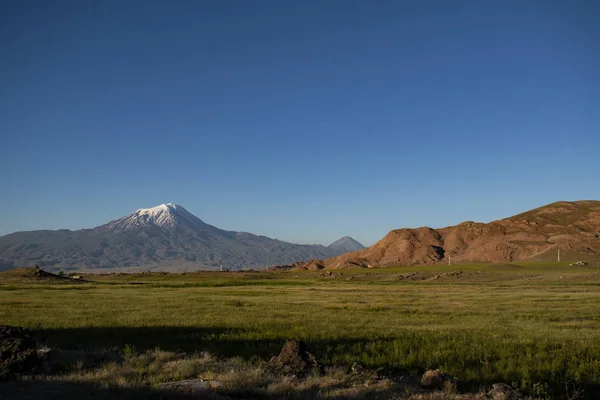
(165, 237)
(167, 215)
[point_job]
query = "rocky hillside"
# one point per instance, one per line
(572, 227)
(166, 237)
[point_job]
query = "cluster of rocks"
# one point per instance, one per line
(18, 352)
(448, 275)
(435, 380)
(412, 276)
(21, 354)
(328, 274)
(295, 359)
(578, 264)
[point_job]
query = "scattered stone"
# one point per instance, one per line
(357, 368)
(435, 379)
(448, 274)
(578, 264)
(327, 274)
(501, 391)
(295, 358)
(44, 355)
(412, 276)
(42, 352)
(18, 351)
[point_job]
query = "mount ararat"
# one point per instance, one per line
(166, 237)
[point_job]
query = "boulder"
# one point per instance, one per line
(501, 391)
(18, 351)
(295, 358)
(435, 379)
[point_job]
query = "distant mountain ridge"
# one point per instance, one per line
(165, 237)
(536, 235)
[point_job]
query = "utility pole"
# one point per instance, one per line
(559, 254)
(449, 259)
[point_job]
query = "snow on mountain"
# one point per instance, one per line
(167, 215)
(165, 237)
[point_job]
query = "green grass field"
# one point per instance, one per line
(525, 324)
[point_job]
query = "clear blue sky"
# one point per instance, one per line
(300, 120)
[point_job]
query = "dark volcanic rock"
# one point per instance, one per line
(435, 379)
(18, 351)
(295, 358)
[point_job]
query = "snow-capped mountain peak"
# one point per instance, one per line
(162, 215)
(167, 215)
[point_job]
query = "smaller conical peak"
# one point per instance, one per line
(346, 243)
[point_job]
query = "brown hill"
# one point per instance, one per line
(572, 227)
(35, 274)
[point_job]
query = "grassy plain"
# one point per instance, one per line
(532, 325)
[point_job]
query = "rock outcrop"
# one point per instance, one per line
(295, 359)
(18, 351)
(535, 235)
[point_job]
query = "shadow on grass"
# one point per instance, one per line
(56, 389)
(186, 339)
(236, 342)
(46, 390)
(221, 342)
